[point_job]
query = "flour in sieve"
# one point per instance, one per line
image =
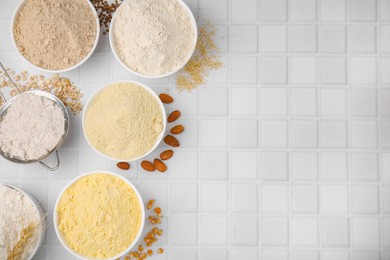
(31, 127)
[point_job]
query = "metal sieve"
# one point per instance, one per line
(8, 104)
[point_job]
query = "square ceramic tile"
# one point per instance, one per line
(244, 198)
(333, 102)
(304, 133)
(333, 133)
(303, 38)
(363, 102)
(305, 198)
(364, 166)
(274, 198)
(274, 166)
(213, 197)
(244, 38)
(362, 39)
(184, 197)
(385, 38)
(335, 255)
(274, 102)
(244, 70)
(384, 66)
(386, 166)
(244, 10)
(180, 253)
(304, 10)
(334, 199)
(386, 199)
(332, 38)
(333, 70)
(365, 254)
(214, 133)
(304, 166)
(273, 38)
(244, 231)
(215, 102)
(244, 165)
(274, 70)
(213, 230)
(247, 140)
(214, 165)
(244, 102)
(363, 10)
(304, 102)
(365, 199)
(365, 232)
(303, 70)
(274, 231)
(333, 166)
(215, 10)
(274, 254)
(274, 134)
(273, 10)
(304, 231)
(183, 230)
(363, 70)
(213, 254)
(335, 232)
(384, 106)
(333, 10)
(250, 254)
(184, 165)
(364, 134)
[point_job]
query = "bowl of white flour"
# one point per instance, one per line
(33, 126)
(22, 223)
(153, 38)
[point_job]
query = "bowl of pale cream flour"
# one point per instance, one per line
(55, 36)
(124, 121)
(33, 126)
(153, 38)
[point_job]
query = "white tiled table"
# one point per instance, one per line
(286, 151)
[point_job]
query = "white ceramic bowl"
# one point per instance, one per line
(55, 216)
(159, 138)
(40, 213)
(21, 4)
(194, 26)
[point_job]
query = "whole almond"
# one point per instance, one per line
(178, 129)
(174, 116)
(160, 166)
(165, 98)
(172, 141)
(148, 166)
(166, 155)
(123, 165)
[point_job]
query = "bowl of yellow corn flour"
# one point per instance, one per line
(99, 215)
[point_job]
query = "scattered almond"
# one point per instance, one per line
(174, 116)
(123, 165)
(171, 141)
(165, 98)
(160, 166)
(148, 166)
(178, 129)
(166, 155)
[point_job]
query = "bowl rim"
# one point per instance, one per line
(92, 50)
(116, 55)
(74, 180)
(40, 210)
(149, 90)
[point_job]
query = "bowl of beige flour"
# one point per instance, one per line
(153, 38)
(55, 36)
(124, 121)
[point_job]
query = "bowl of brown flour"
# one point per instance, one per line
(153, 38)
(55, 36)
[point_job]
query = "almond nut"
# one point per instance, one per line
(174, 116)
(148, 166)
(171, 141)
(123, 165)
(160, 166)
(166, 155)
(177, 129)
(165, 98)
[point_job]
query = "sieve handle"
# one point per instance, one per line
(10, 79)
(52, 168)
